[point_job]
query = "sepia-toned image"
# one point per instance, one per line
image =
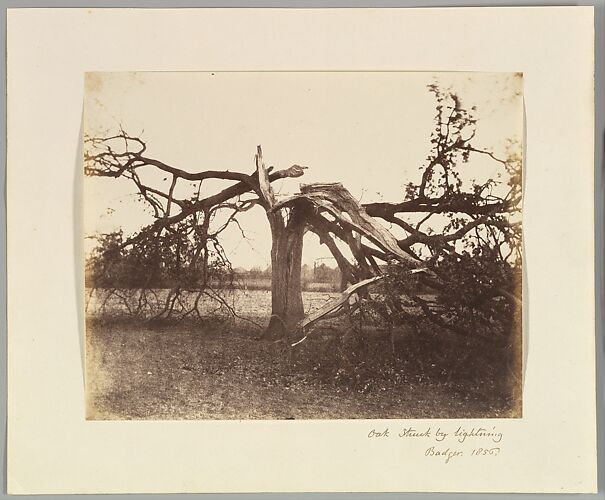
(303, 245)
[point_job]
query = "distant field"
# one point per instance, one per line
(247, 303)
(265, 284)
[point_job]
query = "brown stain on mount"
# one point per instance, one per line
(93, 82)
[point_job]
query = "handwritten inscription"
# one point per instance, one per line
(448, 444)
(446, 454)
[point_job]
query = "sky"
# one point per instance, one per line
(367, 130)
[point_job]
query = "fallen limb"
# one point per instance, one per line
(333, 305)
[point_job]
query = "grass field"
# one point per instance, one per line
(251, 303)
(219, 370)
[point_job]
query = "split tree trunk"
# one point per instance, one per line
(286, 263)
(287, 232)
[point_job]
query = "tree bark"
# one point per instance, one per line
(286, 259)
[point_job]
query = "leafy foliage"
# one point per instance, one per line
(169, 260)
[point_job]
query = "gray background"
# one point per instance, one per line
(599, 221)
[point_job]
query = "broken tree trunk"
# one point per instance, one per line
(287, 232)
(328, 208)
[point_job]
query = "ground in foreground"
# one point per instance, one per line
(186, 371)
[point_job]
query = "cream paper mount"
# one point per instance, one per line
(52, 448)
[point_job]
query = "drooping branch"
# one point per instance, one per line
(336, 202)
